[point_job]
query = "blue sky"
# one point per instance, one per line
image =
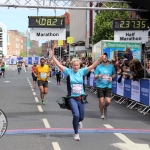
(17, 19)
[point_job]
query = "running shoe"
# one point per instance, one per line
(102, 117)
(76, 137)
(80, 125)
(43, 102)
(105, 110)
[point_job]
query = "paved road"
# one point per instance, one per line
(27, 116)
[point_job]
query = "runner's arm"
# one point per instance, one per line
(97, 62)
(51, 53)
(61, 67)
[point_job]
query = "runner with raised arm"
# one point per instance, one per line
(75, 79)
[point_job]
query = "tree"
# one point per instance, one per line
(103, 22)
(40, 51)
(22, 54)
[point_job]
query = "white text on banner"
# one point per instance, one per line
(120, 87)
(135, 91)
(91, 79)
(47, 34)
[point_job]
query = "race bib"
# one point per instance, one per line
(77, 88)
(105, 77)
(43, 75)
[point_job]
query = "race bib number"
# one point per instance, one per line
(43, 75)
(105, 77)
(77, 88)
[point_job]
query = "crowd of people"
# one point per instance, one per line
(129, 67)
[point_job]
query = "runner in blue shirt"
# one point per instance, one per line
(76, 89)
(104, 73)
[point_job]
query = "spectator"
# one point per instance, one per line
(137, 69)
(113, 62)
(116, 55)
(128, 54)
(118, 68)
(148, 70)
(126, 72)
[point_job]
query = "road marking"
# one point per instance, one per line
(32, 89)
(34, 93)
(49, 81)
(40, 108)
(128, 144)
(56, 146)
(47, 125)
(36, 99)
(6, 81)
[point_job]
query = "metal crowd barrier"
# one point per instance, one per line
(134, 94)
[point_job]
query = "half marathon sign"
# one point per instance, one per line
(47, 34)
(131, 36)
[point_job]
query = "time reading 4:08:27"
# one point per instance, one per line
(49, 22)
(133, 24)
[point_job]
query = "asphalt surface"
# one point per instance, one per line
(22, 111)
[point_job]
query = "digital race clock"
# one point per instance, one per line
(46, 22)
(130, 24)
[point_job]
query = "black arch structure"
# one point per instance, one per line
(141, 4)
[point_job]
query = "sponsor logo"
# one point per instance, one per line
(3, 123)
(127, 86)
(144, 90)
(135, 87)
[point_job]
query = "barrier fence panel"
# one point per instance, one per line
(138, 92)
(28, 60)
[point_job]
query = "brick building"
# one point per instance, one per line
(44, 48)
(34, 48)
(15, 43)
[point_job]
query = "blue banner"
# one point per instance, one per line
(94, 83)
(37, 59)
(127, 88)
(29, 60)
(114, 85)
(144, 91)
(88, 82)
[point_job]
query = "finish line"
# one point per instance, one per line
(70, 130)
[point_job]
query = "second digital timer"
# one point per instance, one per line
(130, 24)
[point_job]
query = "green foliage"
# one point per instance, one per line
(40, 51)
(103, 22)
(22, 54)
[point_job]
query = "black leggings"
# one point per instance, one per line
(58, 77)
